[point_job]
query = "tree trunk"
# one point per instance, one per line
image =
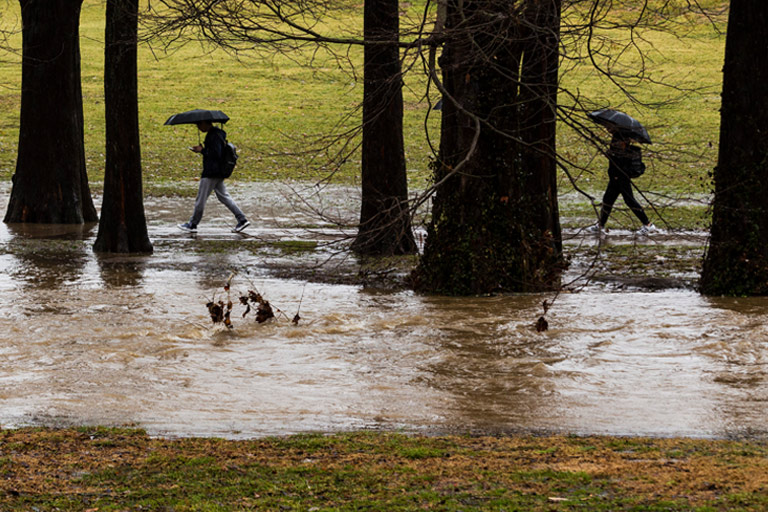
(736, 262)
(51, 184)
(123, 226)
(385, 224)
(495, 223)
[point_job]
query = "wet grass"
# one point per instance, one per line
(294, 246)
(89, 469)
(285, 247)
(278, 105)
(647, 265)
(669, 216)
(621, 260)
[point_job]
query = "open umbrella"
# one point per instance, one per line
(621, 123)
(197, 115)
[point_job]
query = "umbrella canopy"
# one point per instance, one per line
(621, 123)
(197, 115)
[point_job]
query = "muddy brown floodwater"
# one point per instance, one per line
(123, 340)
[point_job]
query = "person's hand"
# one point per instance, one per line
(197, 149)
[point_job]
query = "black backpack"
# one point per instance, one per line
(635, 167)
(228, 159)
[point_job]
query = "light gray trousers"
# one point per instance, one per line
(208, 185)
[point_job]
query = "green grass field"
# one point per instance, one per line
(278, 106)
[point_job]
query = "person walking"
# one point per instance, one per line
(621, 157)
(211, 180)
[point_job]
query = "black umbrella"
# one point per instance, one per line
(197, 115)
(621, 124)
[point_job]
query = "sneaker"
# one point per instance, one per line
(241, 225)
(189, 228)
(647, 230)
(595, 229)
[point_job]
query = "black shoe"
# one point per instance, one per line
(241, 225)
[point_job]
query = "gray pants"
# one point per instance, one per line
(208, 185)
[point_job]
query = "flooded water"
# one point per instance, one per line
(126, 340)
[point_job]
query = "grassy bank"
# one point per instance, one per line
(278, 105)
(92, 469)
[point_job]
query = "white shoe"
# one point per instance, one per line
(595, 229)
(647, 230)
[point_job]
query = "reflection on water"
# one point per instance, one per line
(126, 340)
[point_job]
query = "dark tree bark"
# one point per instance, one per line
(385, 224)
(123, 226)
(50, 184)
(495, 224)
(736, 262)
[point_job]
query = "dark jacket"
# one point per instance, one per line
(213, 148)
(621, 161)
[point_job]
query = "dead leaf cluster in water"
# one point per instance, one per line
(263, 308)
(221, 311)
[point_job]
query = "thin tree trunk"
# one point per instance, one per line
(123, 226)
(385, 224)
(736, 261)
(50, 184)
(495, 222)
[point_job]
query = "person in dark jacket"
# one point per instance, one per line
(211, 180)
(620, 157)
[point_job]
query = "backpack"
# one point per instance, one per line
(635, 167)
(228, 159)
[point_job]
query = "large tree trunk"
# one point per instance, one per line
(495, 222)
(123, 226)
(736, 262)
(385, 224)
(50, 184)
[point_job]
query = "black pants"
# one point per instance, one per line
(619, 183)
